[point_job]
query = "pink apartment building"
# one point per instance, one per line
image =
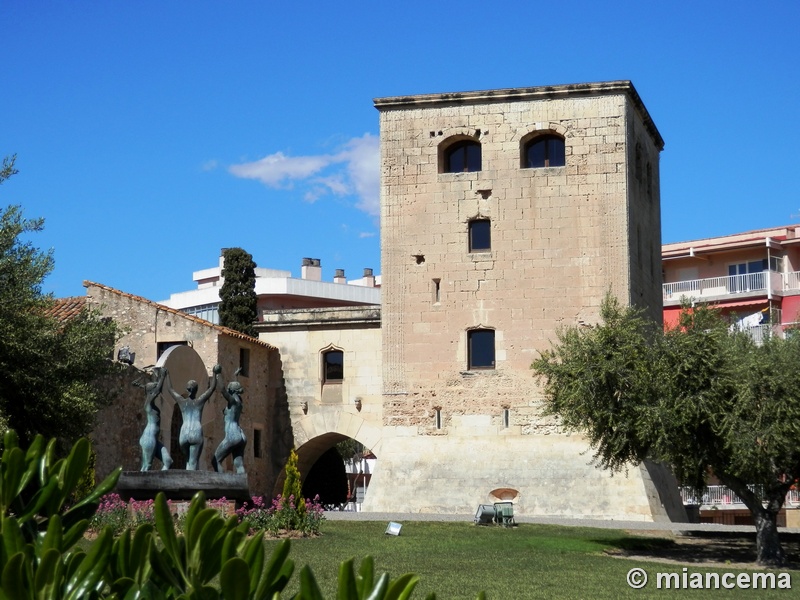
(753, 276)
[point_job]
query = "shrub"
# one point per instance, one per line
(293, 485)
(283, 516)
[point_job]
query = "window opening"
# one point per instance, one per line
(638, 163)
(480, 235)
(480, 349)
(544, 151)
(437, 418)
(437, 291)
(333, 366)
(256, 443)
(506, 418)
(462, 157)
(244, 361)
(162, 347)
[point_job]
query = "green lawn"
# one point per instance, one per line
(457, 560)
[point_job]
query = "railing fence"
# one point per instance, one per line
(720, 495)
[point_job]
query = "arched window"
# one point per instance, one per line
(480, 235)
(462, 157)
(332, 366)
(544, 151)
(480, 349)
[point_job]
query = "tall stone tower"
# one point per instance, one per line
(506, 214)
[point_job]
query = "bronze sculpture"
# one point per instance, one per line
(235, 440)
(149, 442)
(191, 434)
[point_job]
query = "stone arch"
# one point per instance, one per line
(314, 434)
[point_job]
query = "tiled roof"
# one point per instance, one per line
(65, 309)
(182, 315)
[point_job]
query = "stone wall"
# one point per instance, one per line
(146, 324)
(324, 413)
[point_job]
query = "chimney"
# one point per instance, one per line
(338, 276)
(369, 278)
(311, 269)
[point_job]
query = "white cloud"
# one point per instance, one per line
(367, 234)
(355, 170)
(275, 169)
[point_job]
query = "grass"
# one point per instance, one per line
(457, 560)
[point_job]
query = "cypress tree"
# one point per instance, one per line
(237, 309)
(293, 486)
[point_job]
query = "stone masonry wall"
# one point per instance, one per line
(145, 324)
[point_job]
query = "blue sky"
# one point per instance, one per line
(152, 134)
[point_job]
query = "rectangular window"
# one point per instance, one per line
(480, 349)
(256, 443)
(437, 290)
(333, 366)
(437, 418)
(506, 418)
(480, 235)
(244, 361)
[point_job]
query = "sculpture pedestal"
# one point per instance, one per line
(183, 485)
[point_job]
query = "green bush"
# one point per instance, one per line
(293, 488)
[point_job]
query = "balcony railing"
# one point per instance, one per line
(722, 496)
(731, 285)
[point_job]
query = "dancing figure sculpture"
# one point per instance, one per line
(151, 445)
(191, 434)
(235, 440)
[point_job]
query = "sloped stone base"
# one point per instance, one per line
(544, 475)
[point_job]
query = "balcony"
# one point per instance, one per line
(752, 285)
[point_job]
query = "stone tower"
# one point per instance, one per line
(506, 214)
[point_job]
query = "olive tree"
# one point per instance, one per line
(698, 397)
(49, 368)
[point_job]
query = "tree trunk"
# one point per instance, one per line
(768, 544)
(769, 552)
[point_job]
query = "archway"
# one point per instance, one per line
(319, 460)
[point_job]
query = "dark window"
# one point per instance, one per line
(437, 291)
(437, 418)
(333, 365)
(480, 235)
(544, 151)
(638, 162)
(162, 347)
(462, 156)
(480, 349)
(244, 361)
(256, 443)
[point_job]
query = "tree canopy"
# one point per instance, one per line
(699, 397)
(49, 368)
(238, 306)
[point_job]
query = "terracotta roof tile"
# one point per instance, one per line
(181, 314)
(66, 309)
